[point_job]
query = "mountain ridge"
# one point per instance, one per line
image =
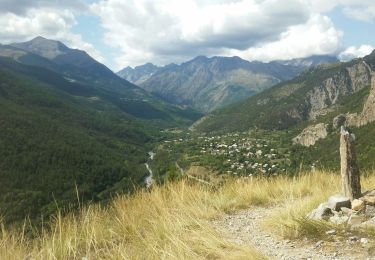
(210, 83)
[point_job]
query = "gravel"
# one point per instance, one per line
(245, 228)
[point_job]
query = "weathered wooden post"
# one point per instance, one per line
(351, 186)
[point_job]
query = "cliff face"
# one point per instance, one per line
(330, 91)
(311, 135)
(366, 116)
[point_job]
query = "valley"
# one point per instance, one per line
(75, 136)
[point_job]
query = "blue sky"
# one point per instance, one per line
(120, 33)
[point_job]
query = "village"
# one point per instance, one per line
(236, 154)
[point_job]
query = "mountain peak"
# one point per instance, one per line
(44, 47)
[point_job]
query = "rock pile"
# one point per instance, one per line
(340, 210)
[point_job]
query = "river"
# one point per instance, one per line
(150, 178)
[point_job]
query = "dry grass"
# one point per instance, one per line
(291, 221)
(171, 222)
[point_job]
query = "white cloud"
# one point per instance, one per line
(20, 7)
(355, 52)
(50, 22)
(164, 31)
(362, 13)
(316, 37)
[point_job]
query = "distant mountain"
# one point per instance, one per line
(308, 97)
(71, 61)
(309, 62)
(139, 74)
(210, 83)
(67, 121)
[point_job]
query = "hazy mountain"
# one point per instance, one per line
(71, 61)
(139, 74)
(312, 61)
(210, 83)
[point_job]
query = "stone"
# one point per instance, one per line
(336, 202)
(370, 211)
(356, 220)
(368, 223)
(369, 199)
(339, 220)
(331, 232)
(310, 135)
(339, 121)
(358, 205)
(364, 240)
(323, 212)
(347, 211)
(350, 178)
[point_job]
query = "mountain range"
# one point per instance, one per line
(210, 83)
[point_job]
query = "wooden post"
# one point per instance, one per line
(351, 186)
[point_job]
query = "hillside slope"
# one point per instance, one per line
(62, 132)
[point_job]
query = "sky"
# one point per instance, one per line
(122, 33)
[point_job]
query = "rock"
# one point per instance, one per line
(338, 220)
(370, 211)
(310, 135)
(336, 202)
(339, 121)
(369, 199)
(322, 212)
(319, 243)
(369, 223)
(356, 220)
(331, 232)
(358, 205)
(364, 240)
(347, 211)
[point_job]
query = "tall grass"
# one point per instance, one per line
(291, 221)
(170, 222)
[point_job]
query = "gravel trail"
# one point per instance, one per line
(245, 227)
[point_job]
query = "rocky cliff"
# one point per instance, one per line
(316, 92)
(311, 135)
(331, 90)
(366, 116)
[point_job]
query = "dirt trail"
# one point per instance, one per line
(245, 228)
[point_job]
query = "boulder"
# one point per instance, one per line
(347, 211)
(336, 202)
(369, 199)
(356, 220)
(370, 211)
(323, 212)
(358, 205)
(339, 220)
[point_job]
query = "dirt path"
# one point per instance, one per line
(245, 228)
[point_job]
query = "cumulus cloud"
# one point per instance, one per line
(355, 52)
(23, 20)
(322, 6)
(165, 31)
(316, 37)
(20, 7)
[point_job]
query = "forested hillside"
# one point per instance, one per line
(63, 136)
